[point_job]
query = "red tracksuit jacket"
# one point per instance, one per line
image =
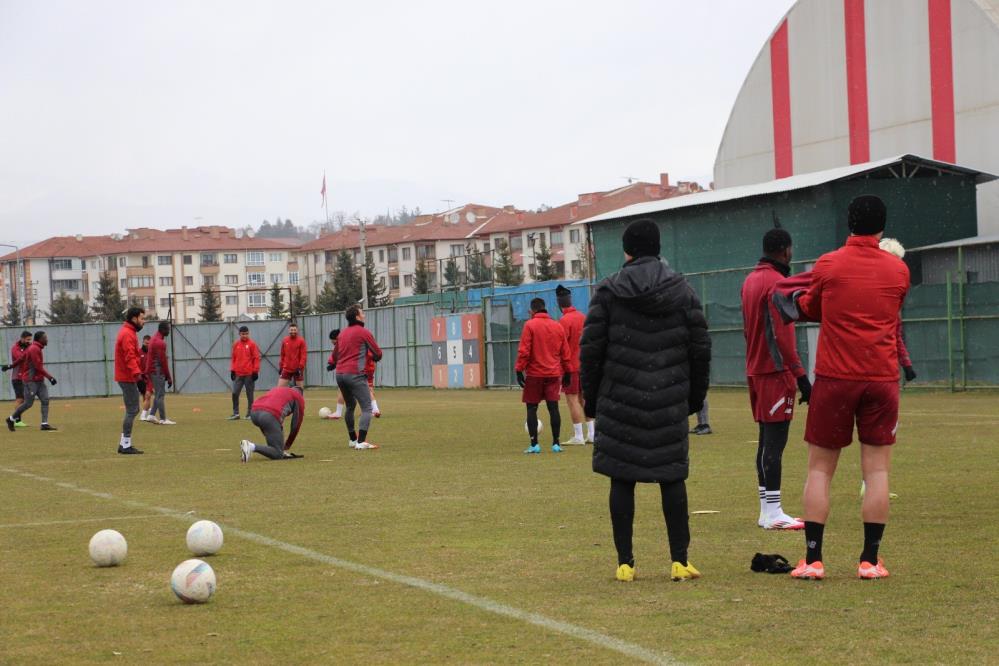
(33, 369)
(771, 345)
(245, 358)
(572, 324)
(543, 350)
(355, 350)
(856, 293)
(156, 359)
(280, 402)
(126, 355)
(17, 357)
(293, 353)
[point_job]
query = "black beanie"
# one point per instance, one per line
(641, 239)
(866, 215)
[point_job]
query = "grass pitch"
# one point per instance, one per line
(451, 500)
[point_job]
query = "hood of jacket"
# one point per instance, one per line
(648, 284)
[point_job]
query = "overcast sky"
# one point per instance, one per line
(141, 113)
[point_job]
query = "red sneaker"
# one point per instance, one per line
(813, 571)
(868, 571)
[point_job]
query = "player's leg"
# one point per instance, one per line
(18, 385)
(43, 397)
(159, 390)
(532, 422)
(822, 463)
(349, 404)
(674, 501)
(250, 384)
(555, 422)
(339, 405)
(273, 434)
(374, 401)
(622, 512)
(29, 399)
(130, 396)
(359, 389)
(774, 440)
(877, 422)
(702, 427)
(761, 481)
(575, 406)
(237, 388)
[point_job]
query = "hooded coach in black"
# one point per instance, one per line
(645, 356)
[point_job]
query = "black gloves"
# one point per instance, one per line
(566, 379)
(255, 376)
(169, 383)
(805, 388)
(6, 368)
(232, 375)
(910, 374)
(329, 367)
(520, 379)
(52, 380)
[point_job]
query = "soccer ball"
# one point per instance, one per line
(108, 548)
(541, 426)
(193, 581)
(204, 538)
(324, 412)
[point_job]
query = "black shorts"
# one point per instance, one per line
(141, 385)
(18, 385)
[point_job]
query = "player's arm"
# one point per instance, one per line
(785, 339)
(39, 363)
(524, 349)
(255, 351)
(698, 354)
(373, 348)
(303, 352)
(592, 350)
(810, 302)
(164, 362)
(296, 423)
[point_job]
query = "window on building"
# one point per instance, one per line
(62, 264)
(65, 285)
(394, 282)
(293, 278)
(232, 300)
(93, 264)
(573, 235)
(368, 256)
(426, 252)
(121, 262)
(209, 259)
(166, 281)
(559, 268)
(329, 256)
(381, 282)
(165, 303)
(556, 238)
(315, 259)
(123, 283)
(276, 256)
(407, 254)
(532, 270)
(140, 281)
(164, 260)
(208, 280)
(516, 242)
(257, 299)
(485, 247)
(230, 258)
(277, 278)
(457, 250)
(393, 255)
(189, 301)
(407, 280)
(188, 259)
(577, 267)
(145, 261)
(188, 280)
(254, 258)
(255, 278)
(232, 279)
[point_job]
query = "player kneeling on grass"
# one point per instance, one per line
(543, 368)
(350, 356)
(645, 357)
(268, 413)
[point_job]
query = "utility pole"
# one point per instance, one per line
(364, 269)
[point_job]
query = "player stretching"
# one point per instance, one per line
(268, 413)
(128, 373)
(244, 369)
(856, 293)
(158, 371)
(645, 358)
(34, 374)
(17, 377)
(349, 357)
(542, 366)
(772, 369)
(291, 365)
(572, 323)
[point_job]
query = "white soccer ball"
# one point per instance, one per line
(204, 538)
(541, 426)
(193, 581)
(324, 412)
(108, 548)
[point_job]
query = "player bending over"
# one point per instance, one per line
(268, 413)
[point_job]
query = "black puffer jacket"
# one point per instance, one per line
(645, 356)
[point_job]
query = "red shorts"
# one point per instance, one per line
(541, 389)
(289, 375)
(771, 397)
(836, 403)
(573, 387)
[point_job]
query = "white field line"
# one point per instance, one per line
(82, 520)
(482, 603)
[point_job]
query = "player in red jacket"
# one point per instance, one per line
(856, 294)
(145, 386)
(244, 369)
(293, 354)
(542, 366)
(350, 357)
(772, 370)
(17, 352)
(34, 373)
(268, 413)
(572, 323)
(128, 373)
(157, 369)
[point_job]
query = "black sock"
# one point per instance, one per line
(362, 436)
(353, 435)
(813, 541)
(532, 422)
(872, 540)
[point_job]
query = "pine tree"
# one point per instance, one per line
(421, 278)
(299, 303)
(478, 272)
(452, 277)
(66, 309)
(378, 295)
(544, 269)
(108, 305)
(13, 316)
(277, 310)
(326, 299)
(211, 304)
(506, 272)
(346, 282)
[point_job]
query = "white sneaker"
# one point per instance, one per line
(782, 521)
(245, 450)
(150, 419)
(574, 442)
(365, 445)
(352, 444)
(167, 422)
(762, 519)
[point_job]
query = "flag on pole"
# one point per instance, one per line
(323, 191)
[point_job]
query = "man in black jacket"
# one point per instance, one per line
(645, 357)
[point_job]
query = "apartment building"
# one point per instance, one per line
(161, 270)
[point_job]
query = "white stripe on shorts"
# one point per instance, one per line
(776, 405)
